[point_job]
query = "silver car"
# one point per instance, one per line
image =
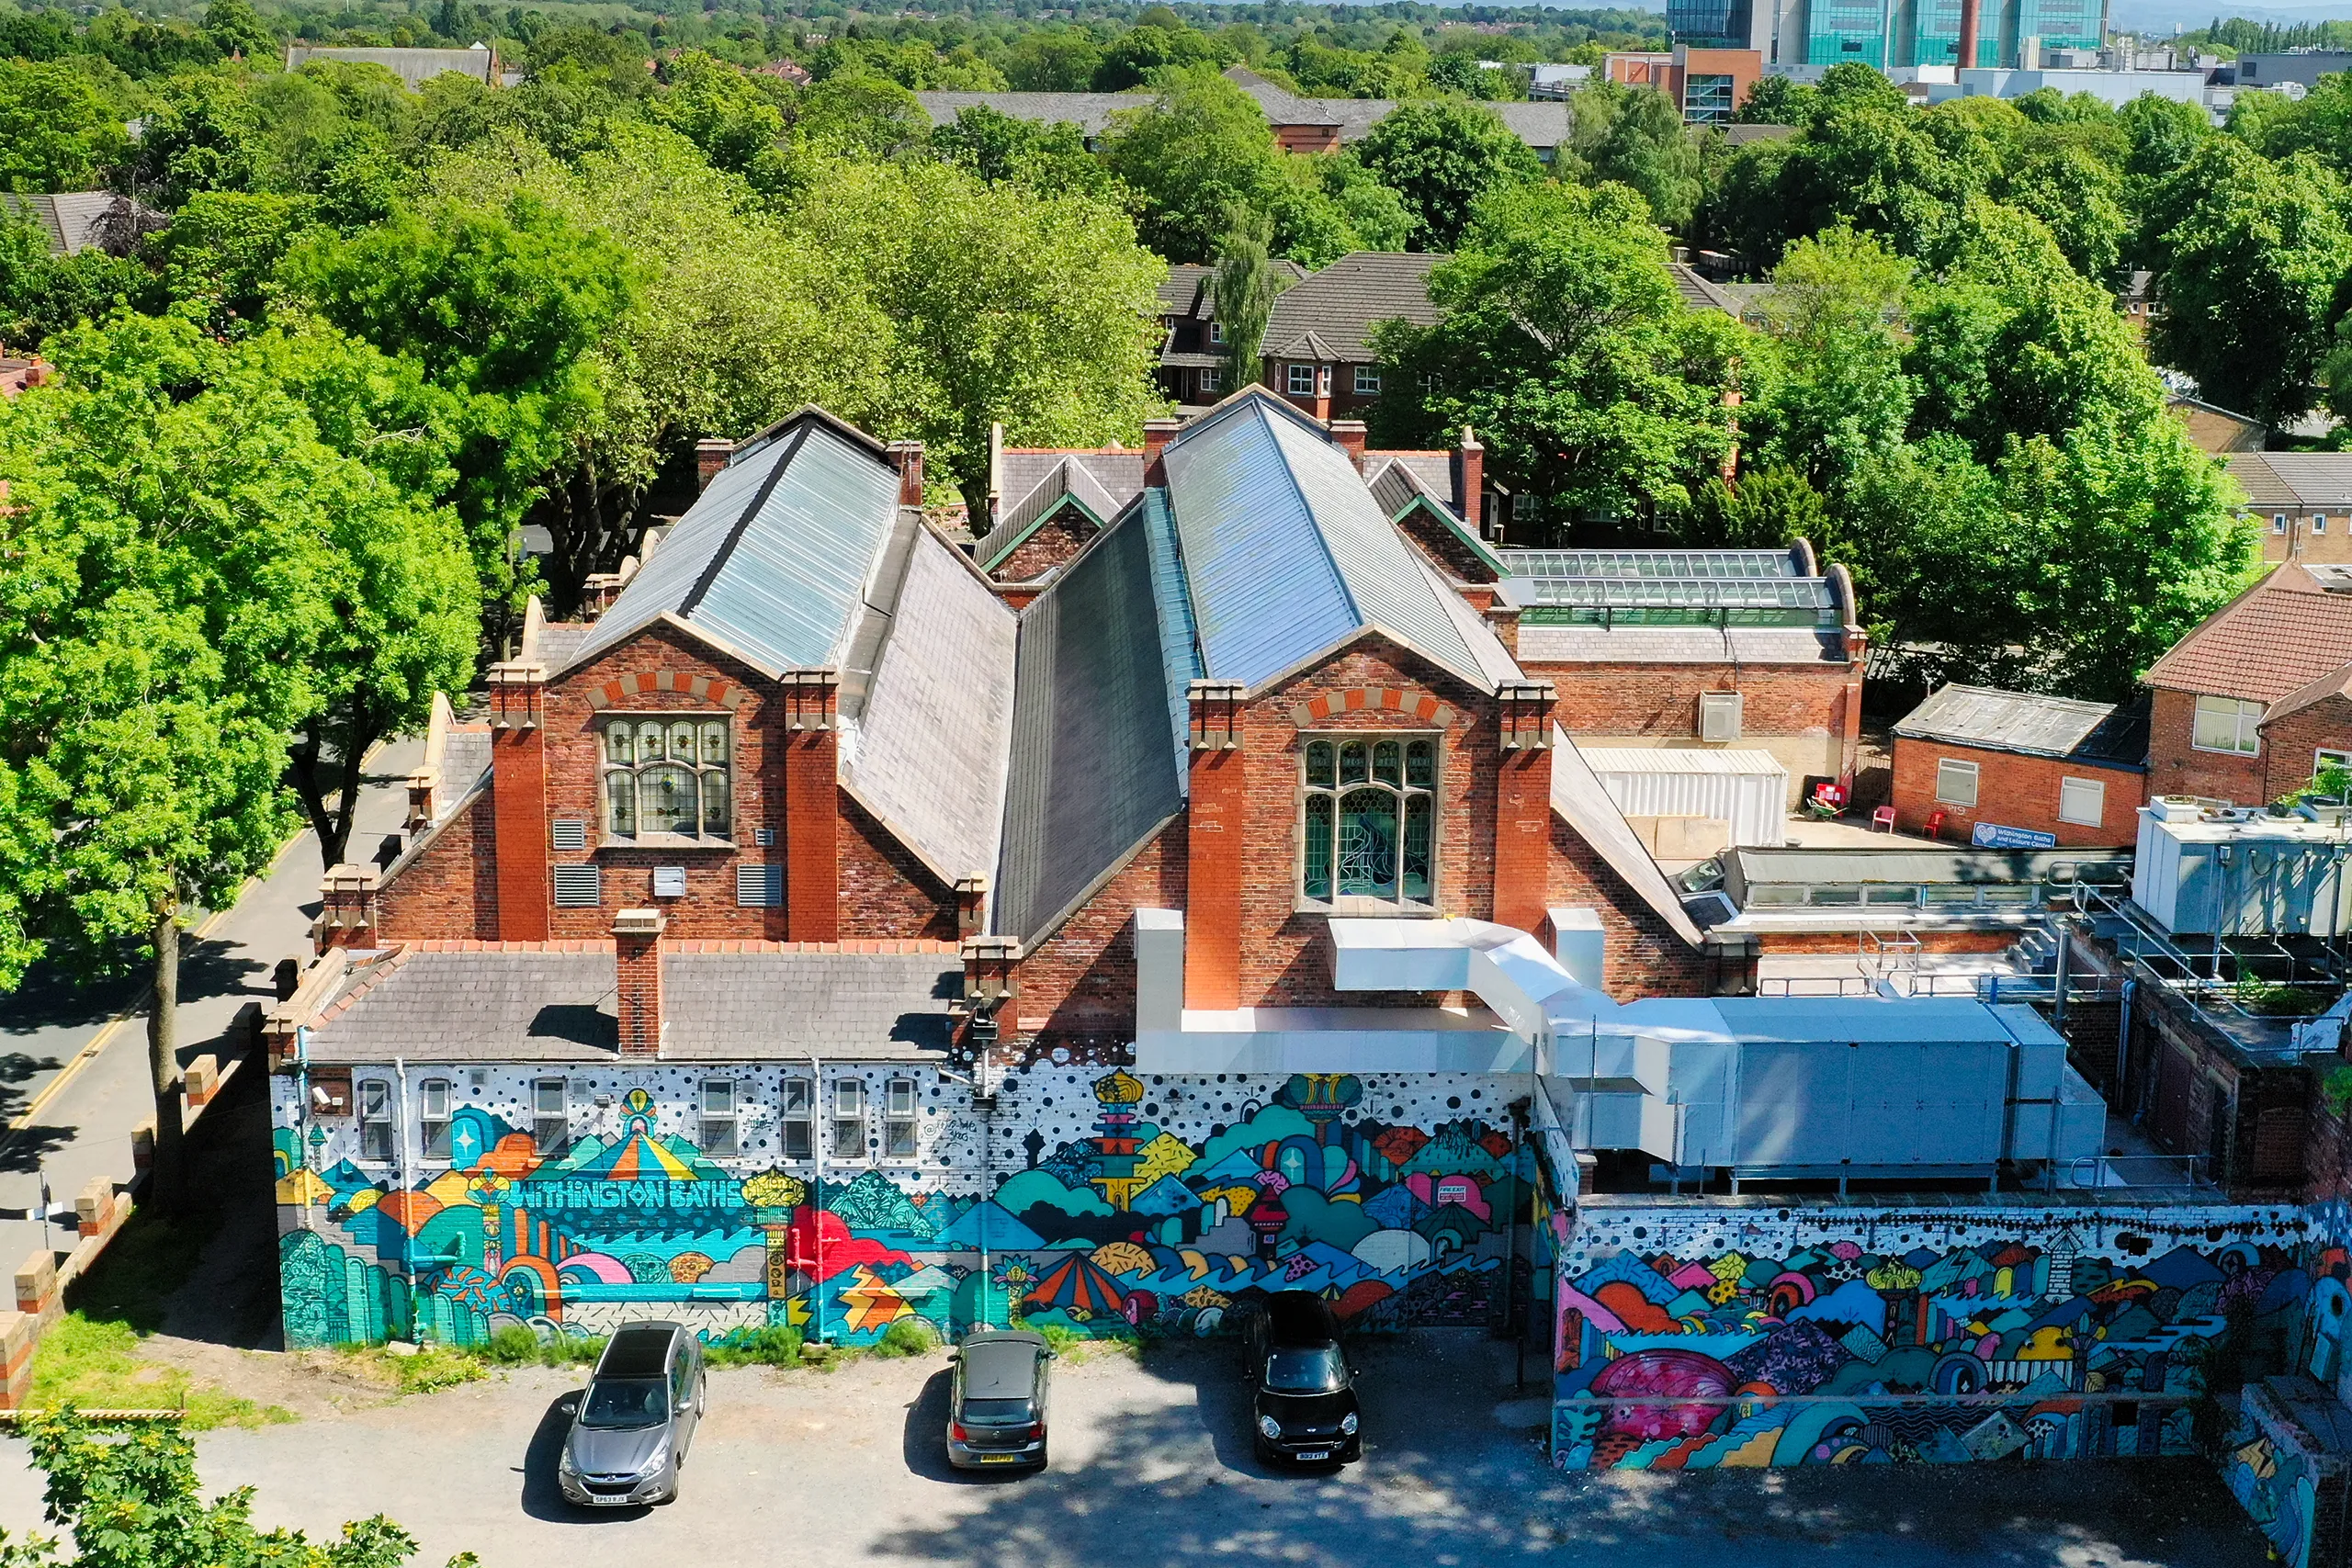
(631, 1427)
(995, 1411)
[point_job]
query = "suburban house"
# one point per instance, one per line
(2302, 501)
(2139, 298)
(77, 221)
(1697, 650)
(1299, 124)
(1318, 349)
(414, 67)
(2215, 429)
(1193, 366)
(2249, 705)
(2012, 770)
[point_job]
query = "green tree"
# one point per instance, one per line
(220, 254)
(2079, 199)
(236, 29)
(1840, 307)
(2251, 267)
(43, 294)
(1202, 148)
(1051, 158)
(1053, 60)
(56, 132)
(1242, 294)
(1776, 100)
(1771, 507)
(1647, 148)
(719, 109)
(131, 1499)
(1563, 342)
(1442, 156)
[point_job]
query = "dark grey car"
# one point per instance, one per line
(996, 1409)
(631, 1427)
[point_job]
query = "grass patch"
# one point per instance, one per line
(96, 1364)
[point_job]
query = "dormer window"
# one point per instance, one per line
(1369, 818)
(667, 776)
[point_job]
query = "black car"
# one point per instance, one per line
(996, 1412)
(632, 1426)
(1305, 1406)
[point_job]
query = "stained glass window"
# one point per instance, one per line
(667, 776)
(1368, 824)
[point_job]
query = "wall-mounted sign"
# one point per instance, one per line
(1992, 836)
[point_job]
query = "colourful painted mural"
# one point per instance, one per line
(1695, 1338)
(1097, 1201)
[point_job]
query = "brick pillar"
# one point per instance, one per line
(813, 859)
(636, 968)
(1858, 648)
(907, 457)
(19, 1334)
(971, 906)
(1470, 482)
(1502, 619)
(518, 761)
(1524, 802)
(711, 455)
(1348, 436)
(421, 786)
(1730, 467)
(1214, 847)
(1156, 434)
(347, 908)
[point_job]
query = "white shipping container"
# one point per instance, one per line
(1748, 789)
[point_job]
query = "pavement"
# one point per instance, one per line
(1152, 1467)
(74, 1059)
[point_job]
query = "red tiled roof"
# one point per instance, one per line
(2335, 683)
(2271, 641)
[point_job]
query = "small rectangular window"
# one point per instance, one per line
(550, 1116)
(374, 1119)
(2319, 522)
(799, 1120)
(2082, 801)
(2278, 523)
(1300, 380)
(433, 1117)
(2327, 757)
(1955, 782)
(718, 1139)
(1211, 380)
(849, 1120)
(2226, 724)
(1367, 381)
(1719, 715)
(1217, 331)
(899, 1120)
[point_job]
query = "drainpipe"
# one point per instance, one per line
(817, 1192)
(408, 1241)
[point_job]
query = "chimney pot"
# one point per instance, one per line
(1470, 482)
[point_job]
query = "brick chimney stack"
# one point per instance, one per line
(518, 790)
(1348, 436)
(1524, 802)
(347, 908)
(907, 457)
(1470, 482)
(810, 753)
(712, 454)
(1214, 847)
(1156, 434)
(636, 968)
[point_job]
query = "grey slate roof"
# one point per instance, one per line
(1698, 293)
(1090, 112)
(773, 561)
(1398, 485)
(1339, 304)
(75, 221)
(1285, 552)
(549, 1006)
(2031, 725)
(1678, 644)
(2315, 482)
(414, 67)
(1094, 767)
(927, 756)
(1077, 476)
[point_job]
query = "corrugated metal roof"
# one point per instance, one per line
(1287, 552)
(927, 756)
(2024, 722)
(1607, 759)
(1093, 761)
(771, 561)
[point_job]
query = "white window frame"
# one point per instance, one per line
(2319, 522)
(2277, 522)
(901, 1105)
(1211, 378)
(1295, 374)
(550, 1115)
(849, 1121)
(720, 1134)
(797, 1112)
(378, 1110)
(436, 1100)
(2326, 757)
(2099, 811)
(1367, 381)
(1217, 333)
(2245, 719)
(1945, 794)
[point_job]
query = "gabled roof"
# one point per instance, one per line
(1306, 345)
(2030, 724)
(772, 564)
(2335, 683)
(1698, 293)
(1400, 487)
(1339, 304)
(1100, 484)
(76, 221)
(2274, 638)
(1186, 292)
(1090, 112)
(2316, 481)
(1286, 555)
(2216, 429)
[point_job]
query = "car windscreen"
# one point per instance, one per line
(995, 1410)
(1317, 1371)
(624, 1401)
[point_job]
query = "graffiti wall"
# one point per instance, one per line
(481, 1197)
(1688, 1336)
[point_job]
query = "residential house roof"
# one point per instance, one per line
(773, 562)
(2271, 640)
(1090, 112)
(76, 221)
(1699, 294)
(2031, 725)
(1033, 485)
(555, 1003)
(2300, 481)
(414, 67)
(1336, 308)
(1745, 135)
(2216, 429)
(2335, 683)
(1186, 291)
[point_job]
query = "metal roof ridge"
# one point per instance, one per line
(735, 530)
(1314, 523)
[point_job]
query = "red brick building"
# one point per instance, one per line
(2075, 771)
(1244, 695)
(2274, 655)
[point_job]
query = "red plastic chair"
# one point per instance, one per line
(1934, 828)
